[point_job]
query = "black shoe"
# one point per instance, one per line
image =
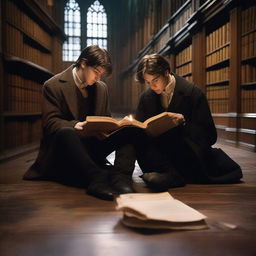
(122, 183)
(162, 181)
(101, 190)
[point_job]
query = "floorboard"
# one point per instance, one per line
(45, 218)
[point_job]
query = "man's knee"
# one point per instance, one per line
(65, 132)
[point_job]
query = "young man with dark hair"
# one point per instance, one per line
(67, 154)
(183, 154)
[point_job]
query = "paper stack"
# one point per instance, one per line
(158, 211)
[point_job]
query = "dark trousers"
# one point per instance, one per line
(168, 153)
(77, 160)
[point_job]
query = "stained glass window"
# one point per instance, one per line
(72, 29)
(97, 25)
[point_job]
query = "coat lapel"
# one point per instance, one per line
(69, 90)
(177, 96)
(97, 95)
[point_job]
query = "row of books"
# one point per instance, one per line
(23, 22)
(22, 100)
(248, 101)
(165, 10)
(184, 56)
(218, 56)
(18, 80)
(17, 47)
(218, 105)
(248, 19)
(218, 38)
(249, 45)
(218, 75)
(217, 92)
(22, 95)
(218, 97)
(248, 73)
(26, 36)
(18, 133)
(184, 70)
(181, 19)
(164, 37)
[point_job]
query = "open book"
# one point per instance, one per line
(153, 126)
(158, 210)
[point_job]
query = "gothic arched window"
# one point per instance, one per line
(97, 25)
(72, 29)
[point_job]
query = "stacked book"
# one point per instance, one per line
(158, 211)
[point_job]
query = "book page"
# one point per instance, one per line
(126, 121)
(137, 223)
(163, 122)
(155, 117)
(101, 119)
(100, 124)
(164, 208)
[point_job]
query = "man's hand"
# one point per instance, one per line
(100, 135)
(177, 118)
(80, 125)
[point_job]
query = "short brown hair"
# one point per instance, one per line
(95, 56)
(153, 64)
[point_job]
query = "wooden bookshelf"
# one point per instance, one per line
(217, 69)
(218, 96)
(32, 38)
(180, 17)
(183, 60)
(212, 44)
(247, 133)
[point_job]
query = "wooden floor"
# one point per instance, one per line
(48, 219)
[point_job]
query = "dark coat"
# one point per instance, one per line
(198, 133)
(60, 109)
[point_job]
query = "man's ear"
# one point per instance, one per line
(83, 63)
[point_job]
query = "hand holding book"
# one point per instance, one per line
(153, 126)
(79, 126)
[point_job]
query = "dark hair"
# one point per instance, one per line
(95, 56)
(153, 64)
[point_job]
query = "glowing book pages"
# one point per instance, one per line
(153, 126)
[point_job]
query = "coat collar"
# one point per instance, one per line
(69, 90)
(181, 90)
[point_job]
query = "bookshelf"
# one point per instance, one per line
(217, 69)
(210, 43)
(180, 17)
(183, 60)
(31, 54)
(247, 132)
